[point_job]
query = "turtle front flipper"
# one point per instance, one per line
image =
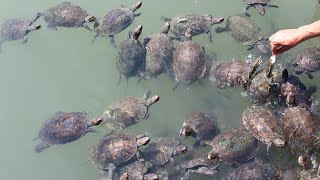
(85, 25)
(209, 36)
(136, 14)
(40, 147)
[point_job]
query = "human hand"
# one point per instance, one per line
(284, 40)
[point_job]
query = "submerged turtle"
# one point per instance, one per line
(159, 48)
(197, 164)
(259, 4)
(129, 111)
(244, 30)
(295, 92)
(162, 150)
(131, 55)
(199, 23)
(234, 146)
(262, 124)
(202, 126)
(116, 149)
(307, 61)
(302, 130)
(67, 15)
(253, 170)
(115, 21)
(189, 63)
(232, 73)
(64, 127)
(17, 29)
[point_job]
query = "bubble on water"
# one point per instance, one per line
(249, 58)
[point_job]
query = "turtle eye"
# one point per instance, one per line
(38, 27)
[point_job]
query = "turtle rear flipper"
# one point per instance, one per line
(271, 5)
(309, 75)
(40, 147)
(260, 8)
(166, 19)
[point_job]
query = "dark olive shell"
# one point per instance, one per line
(117, 119)
(307, 60)
(230, 74)
(136, 170)
(301, 128)
(14, 29)
(160, 150)
(159, 54)
(115, 148)
(262, 124)
(256, 170)
(65, 15)
(203, 124)
(132, 55)
(189, 62)
(64, 127)
(199, 23)
(234, 146)
(114, 22)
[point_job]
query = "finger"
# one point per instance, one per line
(274, 48)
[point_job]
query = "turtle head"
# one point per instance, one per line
(186, 130)
(217, 20)
(212, 155)
(143, 139)
(297, 68)
(136, 6)
(304, 160)
(95, 122)
(181, 149)
(137, 31)
(152, 100)
(279, 142)
(166, 27)
(34, 27)
(125, 176)
(90, 19)
(188, 34)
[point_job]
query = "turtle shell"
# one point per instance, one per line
(243, 29)
(63, 127)
(132, 55)
(114, 22)
(306, 60)
(159, 54)
(234, 146)
(203, 124)
(230, 74)
(262, 124)
(253, 170)
(189, 62)
(199, 23)
(14, 29)
(160, 150)
(65, 15)
(115, 148)
(117, 119)
(136, 170)
(136, 107)
(301, 128)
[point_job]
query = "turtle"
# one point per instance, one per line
(163, 150)
(17, 29)
(302, 130)
(202, 126)
(129, 111)
(64, 127)
(259, 4)
(159, 55)
(306, 61)
(136, 170)
(295, 92)
(67, 15)
(232, 73)
(199, 24)
(115, 21)
(197, 164)
(244, 30)
(261, 84)
(115, 149)
(131, 55)
(263, 125)
(234, 146)
(189, 63)
(256, 169)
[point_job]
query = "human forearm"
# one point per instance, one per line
(309, 31)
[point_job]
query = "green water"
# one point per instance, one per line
(61, 70)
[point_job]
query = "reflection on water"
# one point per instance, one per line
(61, 70)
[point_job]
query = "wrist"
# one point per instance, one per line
(309, 31)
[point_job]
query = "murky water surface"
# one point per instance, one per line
(61, 70)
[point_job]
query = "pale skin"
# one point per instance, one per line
(286, 39)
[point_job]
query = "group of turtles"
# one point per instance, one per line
(282, 113)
